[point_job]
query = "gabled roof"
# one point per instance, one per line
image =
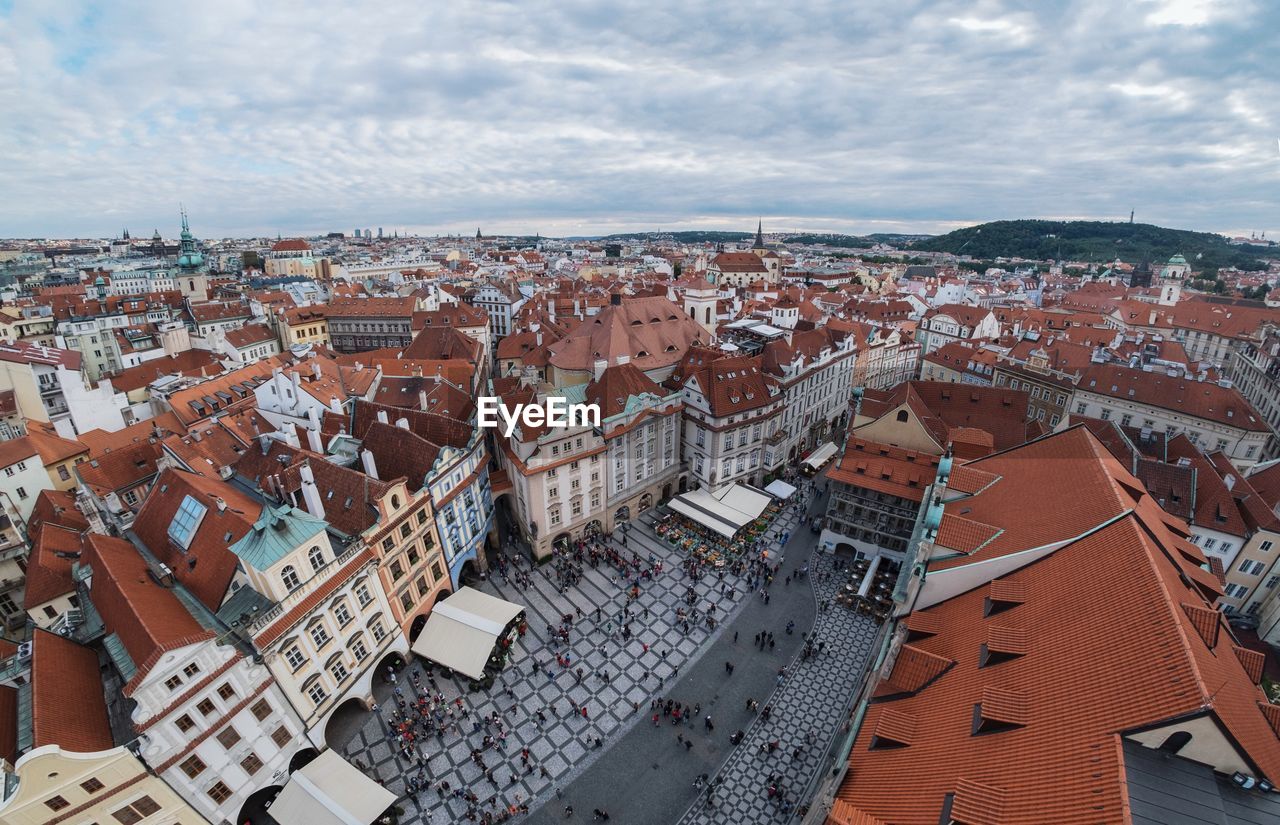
(616, 385)
(280, 530)
(148, 618)
(54, 550)
(206, 566)
(67, 704)
(1105, 636)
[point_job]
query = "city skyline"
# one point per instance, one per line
(567, 121)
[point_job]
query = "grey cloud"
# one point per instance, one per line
(836, 115)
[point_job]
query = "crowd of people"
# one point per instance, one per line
(421, 722)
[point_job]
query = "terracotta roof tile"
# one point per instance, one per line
(148, 618)
(206, 566)
(67, 704)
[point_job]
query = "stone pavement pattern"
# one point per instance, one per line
(810, 704)
(563, 745)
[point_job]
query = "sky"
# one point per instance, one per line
(568, 117)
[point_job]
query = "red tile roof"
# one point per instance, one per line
(1103, 647)
(148, 618)
(49, 567)
(206, 567)
(1199, 399)
(67, 704)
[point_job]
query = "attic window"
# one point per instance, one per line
(642, 354)
(634, 323)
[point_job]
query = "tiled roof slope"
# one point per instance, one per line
(148, 618)
(1103, 637)
(206, 566)
(67, 704)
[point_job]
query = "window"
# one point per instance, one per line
(362, 595)
(290, 578)
(219, 793)
(251, 764)
(317, 694)
(173, 682)
(92, 785)
(342, 614)
(1106, 415)
(1265, 547)
(422, 516)
(1209, 543)
(316, 556)
(206, 706)
(193, 767)
(376, 630)
(294, 657)
(228, 737)
(56, 803)
(397, 570)
(226, 692)
(185, 521)
(184, 723)
(1236, 591)
(319, 635)
(63, 472)
(339, 671)
(1272, 582)
(261, 709)
(436, 572)
(191, 670)
(22, 492)
(281, 736)
(358, 650)
(553, 516)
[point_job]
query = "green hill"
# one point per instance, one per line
(1097, 241)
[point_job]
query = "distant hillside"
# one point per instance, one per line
(691, 236)
(1098, 241)
(853, 241)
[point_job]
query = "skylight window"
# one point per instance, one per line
(186, 521)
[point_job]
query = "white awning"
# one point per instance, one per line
(780, 489)
(702, 517)
(330, 791)
(727, 512)
(821, 455)
(460, 632)
(746, 500)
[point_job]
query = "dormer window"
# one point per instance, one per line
(316, 557)
(290, 578)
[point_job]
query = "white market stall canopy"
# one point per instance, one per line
(821, 456)
(780, 489)
(460, 632)
(330, 791)
(726, 512)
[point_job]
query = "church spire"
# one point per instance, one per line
(759, 236)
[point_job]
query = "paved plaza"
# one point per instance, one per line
(597, 762)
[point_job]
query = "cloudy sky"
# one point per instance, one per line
(581, 116)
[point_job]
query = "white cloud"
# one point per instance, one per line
(826, 114)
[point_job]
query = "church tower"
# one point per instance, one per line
(700, 303)
(759, 246)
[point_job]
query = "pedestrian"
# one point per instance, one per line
(568, 811)
(735, 637)
(707, 723)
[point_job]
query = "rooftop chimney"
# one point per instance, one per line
(335, 406)
(599, 366)
(311, 492)
(370, 468)
(402, 423)
(422, 400)
(382, 417)
(315, 368)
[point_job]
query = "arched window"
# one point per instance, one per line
(902, 415)
(316, 557)
(1176, 741)
(290, 578)
(395, 502)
